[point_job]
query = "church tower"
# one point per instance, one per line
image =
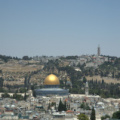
(98, 51)
(86, 89)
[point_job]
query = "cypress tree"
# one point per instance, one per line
(65, 106)
(25, 96)
(49, 106)
(34, 93)
(92, 117)
(60, 107)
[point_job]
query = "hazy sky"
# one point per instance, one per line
(59, 27)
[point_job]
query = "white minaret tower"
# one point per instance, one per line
(86, 89)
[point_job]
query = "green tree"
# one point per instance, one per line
(34, 93)
(49, 106)
(65, 106)
(5, 95)
(82, 117)
(82, 105)
(104, 117)
(22, 90)
(92, 117)
(116, 115)
(0, 71)
(25, 96)
(17, 96)
(26, 58)
(87, 107)
(1, 81)
(60, 106)
(84, 79)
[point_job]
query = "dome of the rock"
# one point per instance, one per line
(51, 87)
(51, 80)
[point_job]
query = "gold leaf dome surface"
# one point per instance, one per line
(51, 80)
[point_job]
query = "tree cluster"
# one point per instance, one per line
(15, 96)
(26, 58)
(105, 117)
(104, 89)
(82, 117)
(7, 58)
(61, 106)
(84, 106)
(116, 115)
(51, 105)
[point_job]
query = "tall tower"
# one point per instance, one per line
(86, 89)
(98, 51)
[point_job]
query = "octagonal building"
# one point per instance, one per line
(51, 87)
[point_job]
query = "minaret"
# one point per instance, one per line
(98, 51)
(86, 89)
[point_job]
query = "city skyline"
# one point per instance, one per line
(56, 28)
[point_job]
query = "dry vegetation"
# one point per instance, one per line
(14, 66)
(13, 72)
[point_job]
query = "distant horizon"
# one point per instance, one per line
(59, 55)
(56, 28)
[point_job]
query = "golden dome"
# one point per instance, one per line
(51, 80)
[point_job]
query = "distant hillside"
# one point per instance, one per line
(106, 79)
(7, 58)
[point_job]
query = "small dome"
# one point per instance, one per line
(51, 80)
